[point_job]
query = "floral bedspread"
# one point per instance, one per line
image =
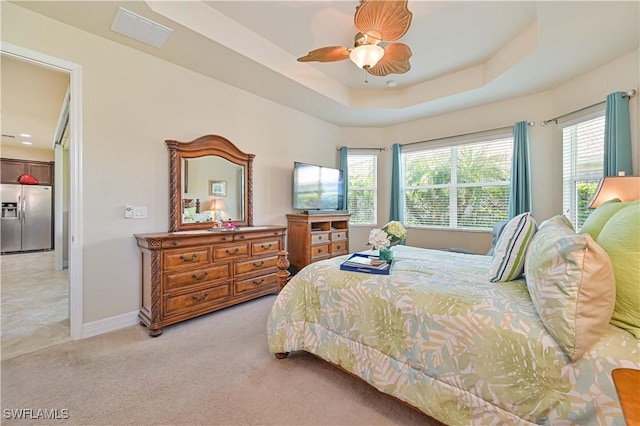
(438, 335)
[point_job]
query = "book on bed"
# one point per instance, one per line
(359, 262)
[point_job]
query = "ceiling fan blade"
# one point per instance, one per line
(387, 20)
(326, 54)
(395, 60)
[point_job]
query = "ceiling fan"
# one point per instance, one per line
(378, 21)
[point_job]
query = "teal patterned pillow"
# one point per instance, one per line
(508, 256)
(571, 283)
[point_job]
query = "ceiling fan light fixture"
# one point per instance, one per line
(367, 55)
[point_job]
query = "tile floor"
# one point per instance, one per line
(35, 303)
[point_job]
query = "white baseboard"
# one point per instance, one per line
(106, 325)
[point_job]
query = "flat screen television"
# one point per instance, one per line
(316, 187)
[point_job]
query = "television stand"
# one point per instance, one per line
(317, 236)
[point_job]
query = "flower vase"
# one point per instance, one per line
(386, 254)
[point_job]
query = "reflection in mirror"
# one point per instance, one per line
(210, 182)
(213, 190)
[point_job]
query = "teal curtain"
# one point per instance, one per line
(617, 136)
(520, 190)
(344, 166)
(396, 211)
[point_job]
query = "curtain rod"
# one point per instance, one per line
(628, 94)
(530, 123)
(379, 149)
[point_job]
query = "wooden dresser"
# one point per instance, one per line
(190, 273)
(313, 237)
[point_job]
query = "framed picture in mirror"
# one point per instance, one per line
(218, 188)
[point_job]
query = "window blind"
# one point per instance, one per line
(582, 165)
(362, 199)
(459, 186)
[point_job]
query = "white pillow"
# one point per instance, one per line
(571, 282)
(508, 256)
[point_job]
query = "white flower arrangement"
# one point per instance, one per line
(390, 235)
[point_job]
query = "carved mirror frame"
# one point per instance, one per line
(208, 145)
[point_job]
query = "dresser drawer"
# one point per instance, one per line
(180, 280)
(231, 251)
(338, 235)
(252, 265)
(199, 240)
(265, 246)
(194, 257)
(256, 284)
(256, 235)
(196, 300)
(319, 237)
(320, 251)
(339, 248)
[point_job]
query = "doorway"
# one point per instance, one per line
(74, 167)
(35, 295)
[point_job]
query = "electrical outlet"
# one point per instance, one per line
(128, 212)
(140, 212)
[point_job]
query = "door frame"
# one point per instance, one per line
(75, 173)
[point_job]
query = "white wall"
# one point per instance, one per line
(133, 102)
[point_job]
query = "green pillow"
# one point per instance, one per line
(189, 212)
(620, 238)
(599, 217)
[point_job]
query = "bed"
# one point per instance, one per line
(437, 334)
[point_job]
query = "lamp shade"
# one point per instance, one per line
(219, 205)
(625, 188)
(366, 55)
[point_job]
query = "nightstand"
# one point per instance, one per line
(627, 381)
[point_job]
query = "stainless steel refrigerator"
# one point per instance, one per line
(25, 221)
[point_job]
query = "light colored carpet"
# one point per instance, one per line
(215, 369)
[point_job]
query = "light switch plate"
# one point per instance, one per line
(128, 212)
(140, 212)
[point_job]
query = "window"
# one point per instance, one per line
(464, 186)
(582, 165)
(363, 188)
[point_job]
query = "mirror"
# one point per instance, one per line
(212, 196)
(209, 182)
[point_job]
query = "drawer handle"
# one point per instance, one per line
(338, 247)
(319, 250)
(267, 247)
(186, 259)
(241, 237)
(258, 282)
(201, 277)
(319, 237)
(224, 238)
(258, 264)
(234, 251)
(200, 299)
(174, 242)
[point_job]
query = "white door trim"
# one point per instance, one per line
(75, 174)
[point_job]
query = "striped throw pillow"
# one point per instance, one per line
(508, 256)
